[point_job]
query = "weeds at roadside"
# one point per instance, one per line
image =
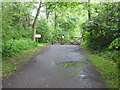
(13, 63)
(108, 69)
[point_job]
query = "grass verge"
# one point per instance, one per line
(13, 63)
(108, 69)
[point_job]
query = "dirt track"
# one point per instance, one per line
(57, 66)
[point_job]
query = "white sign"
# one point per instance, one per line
(62, 36)
(38, 35)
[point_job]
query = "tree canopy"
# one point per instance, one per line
(96, 23)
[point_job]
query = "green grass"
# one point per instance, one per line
(42, 44)
(108, 69)
(14, 63)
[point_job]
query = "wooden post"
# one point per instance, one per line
(37, 40)
(34, 32)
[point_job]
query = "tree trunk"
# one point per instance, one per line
(55, 19)
(47, 13)
(34, 23)
(89, 15)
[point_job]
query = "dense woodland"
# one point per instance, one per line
(97, 24)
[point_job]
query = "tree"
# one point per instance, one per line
(34, 23)
(103, 27)
(89, 15)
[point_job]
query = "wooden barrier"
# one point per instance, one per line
(70, 40)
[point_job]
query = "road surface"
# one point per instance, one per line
(57, 66)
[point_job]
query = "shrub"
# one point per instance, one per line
(115, 44)
(12, 47)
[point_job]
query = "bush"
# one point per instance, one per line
(12, 47)
(115, 44)
(43, 29)
(83, 43)
(98, 36)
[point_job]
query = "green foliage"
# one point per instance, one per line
(102, 29)
(12, 47)
(16, 18)
(68, 25)
(98, 35)
(15, 33)
(68, 19)
(13, 63)
(108, 69)
(44, 29)
(101, 34)
(115, 44)
(113, 55)
(83, 43)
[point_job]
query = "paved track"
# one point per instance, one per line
(57, 66)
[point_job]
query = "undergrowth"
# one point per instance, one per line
(13, 47)
(14, 63)
(107, 67)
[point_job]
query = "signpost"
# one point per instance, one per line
(62, 37)
(37, 36)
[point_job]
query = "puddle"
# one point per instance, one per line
(74, 65)
(71, 64)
